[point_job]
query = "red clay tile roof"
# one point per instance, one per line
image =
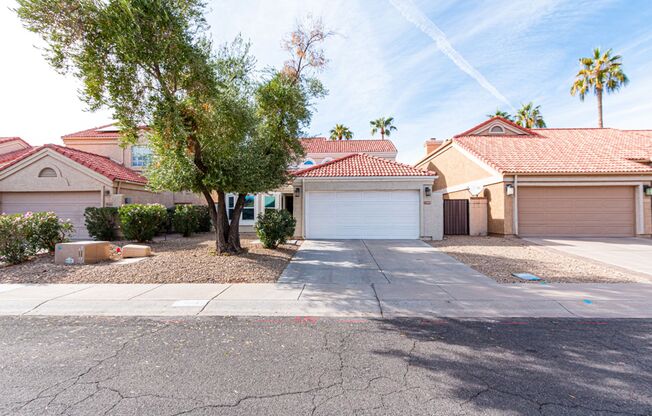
(95, 133)
(564, 151)
(322, 145)
(12, 139)
(504, 120)
(8, 157)
(358, 165)
(100, 164)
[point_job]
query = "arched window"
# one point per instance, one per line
(47, 173)
(307, 163)
(497, 130)
(327, 159)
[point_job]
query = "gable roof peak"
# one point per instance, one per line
(497, 126)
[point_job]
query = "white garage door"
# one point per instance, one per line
(67, 205)
(362, 214)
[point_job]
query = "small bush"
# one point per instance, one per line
(185, 220)
(24, 235)
(141, 222)
(275, 227)
(203, 218)
(102, 223)
(48, 230)
(15, 239)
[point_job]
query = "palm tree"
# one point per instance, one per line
(383, 125)
(500, 113)
(600, 73)
(529, 116)
(341, 131)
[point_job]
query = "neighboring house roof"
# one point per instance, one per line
(322, 145)
(563, 151)
(360, 165)
(500, 119)
(8, 157)
(13, 139)
(107, 131)
(100, 164)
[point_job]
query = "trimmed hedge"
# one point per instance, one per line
(24, 235)
(275, 227)
(102, 223)
(203, 218)
(185, 220)
(141, 222)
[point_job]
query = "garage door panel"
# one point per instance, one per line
(366, 214)
(576, 211)
(66, 205)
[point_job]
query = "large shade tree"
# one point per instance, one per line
(529, 116)
(214, 127)
(340, 131)
(384, 125)
(600, 73)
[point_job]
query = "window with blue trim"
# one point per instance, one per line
(141, 156)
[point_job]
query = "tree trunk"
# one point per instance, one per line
(233, 235)
(598, 93)
(382, 133)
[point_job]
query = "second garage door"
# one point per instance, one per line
(365, 214)
(67, 205)
(590, 211)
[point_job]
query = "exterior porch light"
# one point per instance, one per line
(647, 190)
(297, 192)
(509, 189)
(427, 190)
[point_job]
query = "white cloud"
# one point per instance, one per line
(412, 13)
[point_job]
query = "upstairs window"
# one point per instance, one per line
(141, 156)
(497, 130)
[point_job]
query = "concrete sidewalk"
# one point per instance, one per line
(375, 300)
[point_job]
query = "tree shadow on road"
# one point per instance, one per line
(532, 366)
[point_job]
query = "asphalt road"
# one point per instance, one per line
(305, 366)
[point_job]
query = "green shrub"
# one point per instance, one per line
(185, 220)
(141, 222)
(48, 230)
(203, 218)
(274, 227)
(24, 235)
(169, 221)
(15, 239)
(102, 223)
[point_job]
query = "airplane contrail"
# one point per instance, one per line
(415, 16)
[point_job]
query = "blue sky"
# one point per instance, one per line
(385, 62)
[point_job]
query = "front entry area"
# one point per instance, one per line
(576, 211)
(362, 215)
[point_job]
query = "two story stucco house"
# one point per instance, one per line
(341, 189)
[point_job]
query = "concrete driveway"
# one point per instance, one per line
(632, 254)
(356, 262)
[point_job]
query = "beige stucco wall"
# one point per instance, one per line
(108, 148)
(70, 176)
(499, 208)
(454, 168)
(431, 211)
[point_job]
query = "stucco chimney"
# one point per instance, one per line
(431, 144)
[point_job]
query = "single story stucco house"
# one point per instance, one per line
(575, 182)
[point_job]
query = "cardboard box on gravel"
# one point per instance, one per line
(82, 252)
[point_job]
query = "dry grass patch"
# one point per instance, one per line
(499, 257)
(177, 260)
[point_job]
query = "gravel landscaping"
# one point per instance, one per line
(499, 257)
(176, 260)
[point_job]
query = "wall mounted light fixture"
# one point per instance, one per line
(647, 190)
(509, 189)
(427, 190)
(297, 192)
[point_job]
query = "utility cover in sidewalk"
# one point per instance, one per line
(526, 276)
